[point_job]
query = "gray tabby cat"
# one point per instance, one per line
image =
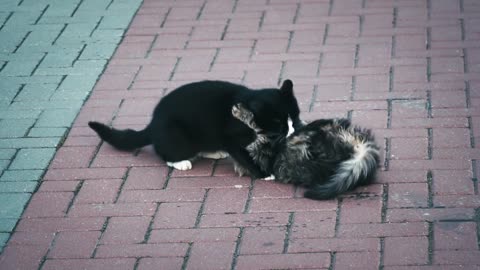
(328, 156)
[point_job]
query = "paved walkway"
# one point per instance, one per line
(409, 69)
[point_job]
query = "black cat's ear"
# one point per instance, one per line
(287, 87)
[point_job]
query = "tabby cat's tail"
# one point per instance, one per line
(359, 169)
(127, 139)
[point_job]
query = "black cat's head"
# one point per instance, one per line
(272, 107)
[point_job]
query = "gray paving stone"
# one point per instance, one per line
(3, 239)
(57, 118)
(23, 68)
(9, 113)
(29, 142)
(18, 187)
(14, 128)
(21, 175)
(4, 164)
(13, 204)
(7, 224)
(98, 51)
(47, 132)
(7, 153)
(36, 91)
(34, 158)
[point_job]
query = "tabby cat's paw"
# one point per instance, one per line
(269, 178)
(181, 165)
(214, 155)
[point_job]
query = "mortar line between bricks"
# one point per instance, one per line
(109, 4)
(474, 176)
(150, 225)
(349, 115)
(120, 189)
(320, 62)
(431, 242)
(470, 131)
(461, 6)
(79, 54)
(468, 95)
(352, 88)
(38, 64)
(384, 203)
(137, 260)
(330, 8)
(59, 33)
(325, 34)
(199, 14)
(187, 256)
(238, 244)
(314, 98)
(21, 42)
(429, 38)
(167, 179)
(333, 258)
(149, 50)
(18, 93)
(477, 220)
(297, 13)
(215, 56)
(291, 34)
(76, 8)
(225, 29)
(430, 143)
(134, 78)
(75, 193)
(162, 24)
(234, 8)
(430, 189)
(429, 69)
(389, 113)
(41, 14)
(386, 162)
(393, 49)
(96, 26)
(202, 208)
(44, 258)
(4, 64)
(288, 232)
(280, 75)
(337, 216)
(260, 23)
(174, 69)
(391, 73)
(395, 18)
(102, 231)
(252, 50)
(249, 197)
(429, 9)
(382, 253)
(429, 104)
(10, 14)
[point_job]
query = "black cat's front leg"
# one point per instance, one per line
(242, 157)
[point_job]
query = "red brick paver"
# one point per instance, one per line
(408, 69)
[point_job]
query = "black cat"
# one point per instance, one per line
(196, 119)
(328, 156)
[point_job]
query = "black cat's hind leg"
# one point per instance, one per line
(175, 149)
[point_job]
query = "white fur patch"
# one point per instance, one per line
(181, 165)
(290, 127)
(213, 155)
(269, 178)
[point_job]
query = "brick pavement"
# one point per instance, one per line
(408, 69)
(51, 54)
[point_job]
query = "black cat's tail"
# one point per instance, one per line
(127, 139)
(359, 169)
